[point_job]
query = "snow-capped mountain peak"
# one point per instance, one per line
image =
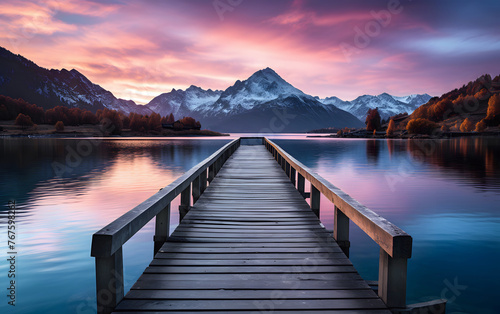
(262, 86)
(387, 104)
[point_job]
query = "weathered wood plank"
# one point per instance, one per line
(249, 305)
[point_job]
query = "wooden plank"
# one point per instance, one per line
(267, 307)
(252, 262)
(246, 294)
(249, 305)
(239, 269)
(282, 284)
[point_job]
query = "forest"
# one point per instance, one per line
(29, 115)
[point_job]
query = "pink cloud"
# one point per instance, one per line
(140, 48)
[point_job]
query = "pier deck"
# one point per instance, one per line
(251, 244)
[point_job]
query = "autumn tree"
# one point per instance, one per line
(493, 113)
(111, 121)
(391, 128)
(89, 118)
(467, 125)
(170, 118)
(421, 126)
(373, 120)
(480, 126)
(59, 126)
(154, 122)
(24, 121)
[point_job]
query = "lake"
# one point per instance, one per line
(444, 193)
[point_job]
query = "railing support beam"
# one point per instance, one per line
(185, 202)
(196, 189)
(341, 230)
(392, 280)
(109, 281)
(301, 184)
(315, 197)
(293, 174)
(203, 181)
(162, 228)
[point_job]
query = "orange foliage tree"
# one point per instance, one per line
(23, 121)
(493, 113)
(391, 128)
(373, 120)
(59, 126)
(467, 125)
(480, 126)
(421, 126)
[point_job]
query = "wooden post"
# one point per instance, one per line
(185, 202)
(292, 175)
(109, 281)
(315, 197)
(211, 172)
(392, 280)
(196, 189)
(341, 230)
(287, 169)
(162, 228)
(301, 183)
(203, 181)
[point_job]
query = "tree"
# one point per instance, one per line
(170, 118)
(390, 128)
(493, 112)
(480, 126)
(467, 125)
(59, 126)
(373, 120)
(23, 121)
(154, 122)
(111, 121)
(421, 126)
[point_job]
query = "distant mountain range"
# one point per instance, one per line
(262, 103)
(387, 105)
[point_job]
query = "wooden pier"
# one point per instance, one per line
(250, 243)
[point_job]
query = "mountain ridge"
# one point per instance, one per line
(255, 102)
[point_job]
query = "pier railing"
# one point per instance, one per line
(107, 243)
(395, 244)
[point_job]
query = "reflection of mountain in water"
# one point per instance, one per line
(27, 163)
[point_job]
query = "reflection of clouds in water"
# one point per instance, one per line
(455, 227)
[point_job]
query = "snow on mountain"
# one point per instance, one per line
(263, 102)
(183, 103)
(263, 86)
(387, 105)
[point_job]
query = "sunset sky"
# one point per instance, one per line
(140, 49)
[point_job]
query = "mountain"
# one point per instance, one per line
(387, 105)
(21, 78)
(183, 103)
(264, 103)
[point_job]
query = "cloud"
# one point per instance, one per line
(139, 48)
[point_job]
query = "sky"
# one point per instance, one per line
(140, 49)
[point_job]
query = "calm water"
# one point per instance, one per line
(446, 194)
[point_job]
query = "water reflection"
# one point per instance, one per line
(444, 193)
(373, 150)
(57, 214)
(471, 158)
